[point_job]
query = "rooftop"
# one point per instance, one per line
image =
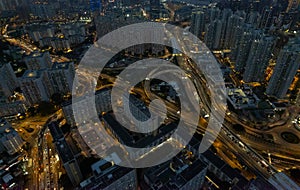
(62, 146)
(176, 172)
(30, 74)
(82, 98)
(64, 151)
(4, 126)
(59, 66)
(136, 103)
(36, 54)
(242, 97)
(55, 131)
(105, 172)
(226, 169)
(125, 135)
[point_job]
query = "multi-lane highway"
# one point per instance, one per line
(44, 167)
(48, 174)
(48, 160)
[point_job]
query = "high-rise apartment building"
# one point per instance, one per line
(37, 61)
(40, 31)
(213, 14)
(234, 30)
(33, 87)
(138, 114)
(108, 175)
(267, 18)
(66, 155)
(9, 138)
(253, 18)
(226, 14)
(61, 76)
(183, 172)
(258, 59)
(287, 64)
(46, 10)
(102, 103)
(8, 80)
(198, 23)
(6, 5)
(242, 48)
(213, 34)
(70, 29)
(39, 85)
(95, 6)
(12, 108)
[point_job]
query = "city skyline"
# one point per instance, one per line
(218, 105)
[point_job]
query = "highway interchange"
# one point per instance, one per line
(244, 147)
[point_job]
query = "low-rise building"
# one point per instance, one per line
(242, 98)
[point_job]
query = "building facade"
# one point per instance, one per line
(198, 23)
(61, 76)
(37, 61)
(102, 103)
(287, 64)
(258, 59)
(8, 80)
(9, 138)
(33, 87)
(108, 175)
